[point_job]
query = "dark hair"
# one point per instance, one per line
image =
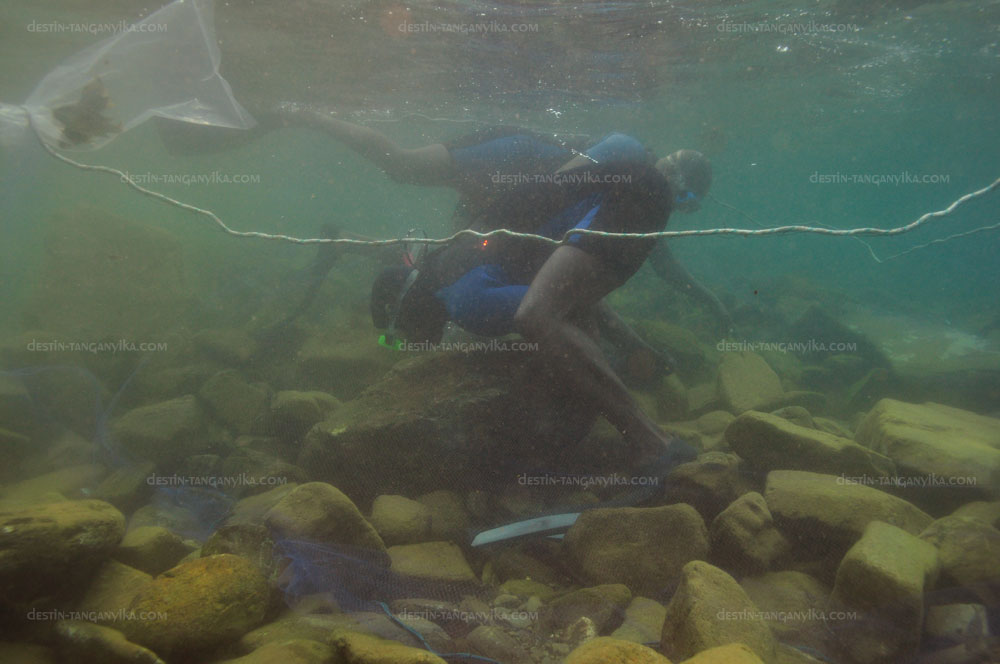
(696, 170)
(420, 315)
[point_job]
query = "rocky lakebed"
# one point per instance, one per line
(314, 501)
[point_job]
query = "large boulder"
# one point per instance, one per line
(87, 643)
(293, 413)
(746, 382)
(794, 605)
(321, 513)
(882, 581)
(113, 588)
(360, 648)
(152, 549)
(710, 483)
(607, 650)
(969, 550)
(240, 405)
(294, 651)
(643, 548)
(643, 620)
(827, 514)
(400, 520)
(733, 653)
(604, 605)
(49, 550)
(447, 419)
(770, 442)
(744, 538)
(951, 451)
(198, 605)
(163, 432)
(449, 519)
(432, 561)
(69, 482)
(710, 609)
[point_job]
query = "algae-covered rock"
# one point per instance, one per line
(113, 588)
(449, 519)
(952, 455)
(251, 471)
(444, 419)
(987, 512)
(710, 483)
(70, 482)
(746, 382)
(969, 550)
(294, 651)
(496, 643)
(953, 624)
(162, 432)
(246, 540)
(359, 648)
(321, 513)
(240, 405)
(769, 442)
(87, 643)
(794, 606)
(643, 621)
(126, 487)
(882, 579)
(710, 609)
(744, 538)
(604, 604)
(733, 653)
(796, 415)
(432, 561)
(609, 650)
(199, 605)
(27, 653)
(293, 413)
(51, 549)
(828, 514)
(400, 520)
(643, 548)
(254, 508)
(152, 549)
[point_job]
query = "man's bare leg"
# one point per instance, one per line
(569, 283)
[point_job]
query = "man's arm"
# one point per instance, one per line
(670, 270)
(430, 165)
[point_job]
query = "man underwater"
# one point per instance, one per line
(514, 179)
(510, 178)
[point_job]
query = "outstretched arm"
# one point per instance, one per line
(430, 165)
(670, 270)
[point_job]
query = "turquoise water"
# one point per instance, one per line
(893, 90)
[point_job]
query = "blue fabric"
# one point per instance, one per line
(618, 147)
(484, 299)
(580, 215)
(504, 153)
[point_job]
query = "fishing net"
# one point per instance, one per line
(166, 65)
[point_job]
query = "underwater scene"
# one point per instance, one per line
(517, 332)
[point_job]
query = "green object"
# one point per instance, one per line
(395, 344)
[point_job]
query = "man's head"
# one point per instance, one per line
(689, 174)
(402, 306)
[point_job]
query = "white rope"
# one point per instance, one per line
(503, 232)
